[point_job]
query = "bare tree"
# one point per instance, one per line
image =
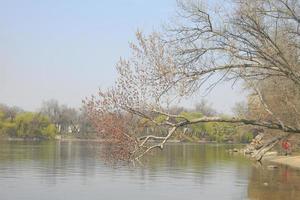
(64, 117)
(51, 109)
(255, 41)
(241, 110)
(204, 108)
(10, 112)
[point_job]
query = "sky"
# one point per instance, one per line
(67, 49)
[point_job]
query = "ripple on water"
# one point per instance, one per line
(76, 171)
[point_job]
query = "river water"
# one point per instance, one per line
(76, 171)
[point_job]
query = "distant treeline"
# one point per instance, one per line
(212, 131)
(54, 119)
(51, 119)
(15, 122)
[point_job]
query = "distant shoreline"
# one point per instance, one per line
(172, 141)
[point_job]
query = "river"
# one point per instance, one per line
(77, 171)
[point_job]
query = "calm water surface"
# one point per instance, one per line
(75, 170)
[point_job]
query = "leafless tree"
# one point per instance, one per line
(256, 41)
(64, 117)
(10, 112)
(204, 108)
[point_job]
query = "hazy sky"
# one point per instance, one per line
(66, 49)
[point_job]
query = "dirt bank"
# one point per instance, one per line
(292, 161)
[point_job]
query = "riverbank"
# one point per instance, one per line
(7, 138)
(291, 161)
(54, 139)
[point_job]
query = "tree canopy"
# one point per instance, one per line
(25, 124)
(253, 41)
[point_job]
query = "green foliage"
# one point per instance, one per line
(50, 131)
(196, 129)
(160, 118)
(2, 114)
(7, 128)
(191, 115)
(247, 137)
(219, 131)
(33, 125)
(211, 131)
(27, 125)
(157, 119)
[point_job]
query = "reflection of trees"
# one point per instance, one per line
(48, 160)
(66, 159)
(277, 184)
(201, 165)
(198, 162)
(195, 156)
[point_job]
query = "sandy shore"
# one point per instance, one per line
(292, 161)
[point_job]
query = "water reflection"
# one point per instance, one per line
(65, 170)
(276, 184)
